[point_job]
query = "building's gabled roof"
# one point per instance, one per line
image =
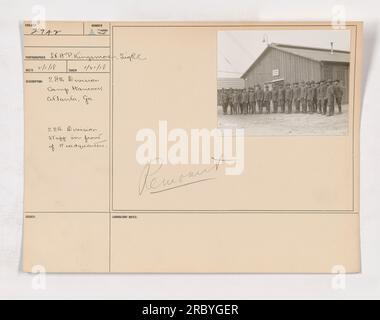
(315, 54)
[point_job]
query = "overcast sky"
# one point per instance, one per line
(238, 49)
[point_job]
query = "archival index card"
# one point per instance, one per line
(192, 147)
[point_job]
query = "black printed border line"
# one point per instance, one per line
(231, 26)
(112, 210)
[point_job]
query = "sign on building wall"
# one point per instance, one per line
(275, 72)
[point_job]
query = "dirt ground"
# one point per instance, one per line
(287, 124)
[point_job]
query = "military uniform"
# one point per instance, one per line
(224, 101)
(260, 98)
(289, 98)
(275, 99)
(267, 99)
(315, 95)
(239, 109)
(297, 96)
(303, 97)
(244, 102)
(338, 92)
(330, 98)
(310, 97)
(229, 100)
(281, 98)
(235, 102)
(219, 98)
(325, 98)
(320, 97)
(251, 101)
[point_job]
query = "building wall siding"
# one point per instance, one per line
(338, 71)
(291, 68)
(294, 68)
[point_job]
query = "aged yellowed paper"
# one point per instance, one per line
(192, 147)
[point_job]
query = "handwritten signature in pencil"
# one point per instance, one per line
(153, 181)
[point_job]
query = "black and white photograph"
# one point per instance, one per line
(192, 158)
(284, 82)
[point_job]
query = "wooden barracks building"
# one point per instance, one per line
(289, 63)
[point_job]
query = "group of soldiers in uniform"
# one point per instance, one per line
(305, 97)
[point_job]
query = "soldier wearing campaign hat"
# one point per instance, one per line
(229, 96)
(310, 96)
(314, 86)
(325, 98)
(320, 97)
(303, 97)
(330, 98)
(281, 98)
(224, 101)
(240, 106)
(289, 98)
(251, 101)
(275, 98)
(338, 92)
(297, 96)
(235, 102)
(260, 98)
(244, 101)
(267, 99)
